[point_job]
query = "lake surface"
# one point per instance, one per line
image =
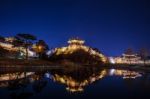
(73, 83)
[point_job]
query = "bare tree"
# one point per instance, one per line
(129, 52)
(144, 54)
(2, 39)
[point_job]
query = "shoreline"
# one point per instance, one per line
(29, 64)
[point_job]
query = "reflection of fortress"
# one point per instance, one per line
(75, 80)
(76, 86)
(84, 78)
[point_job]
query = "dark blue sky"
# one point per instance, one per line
(110, 25)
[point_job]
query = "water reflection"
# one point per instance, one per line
(27, 83)
(126, 74)
(77, 80)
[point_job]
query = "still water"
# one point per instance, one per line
(73, 83)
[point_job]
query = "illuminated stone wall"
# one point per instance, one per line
(75, 45)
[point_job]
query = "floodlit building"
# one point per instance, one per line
(9, 39)
(131, 59)
(75, 41)
(77, 44)
(128, 59)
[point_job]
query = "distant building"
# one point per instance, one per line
(9, 39)
(127, 59)
(75, 41)
(131, 58)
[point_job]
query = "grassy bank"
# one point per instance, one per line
(11, 63)
(145, 68)
(19, 62)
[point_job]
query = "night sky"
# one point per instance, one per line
(110, 25)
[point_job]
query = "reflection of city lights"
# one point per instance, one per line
(79, 89)
(112, 72)
(47, 75)
(77, 86)
(21, 54)
(73, 85)
(124, 73)
(14, 76)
